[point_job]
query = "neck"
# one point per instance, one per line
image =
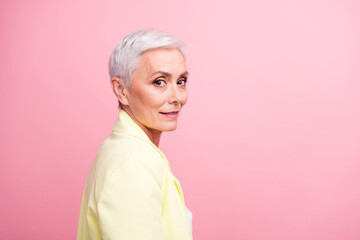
(153, 134)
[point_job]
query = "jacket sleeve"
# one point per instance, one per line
(130, 203)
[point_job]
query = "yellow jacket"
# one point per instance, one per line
(130, 192)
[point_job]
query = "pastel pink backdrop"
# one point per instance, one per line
(268, 146)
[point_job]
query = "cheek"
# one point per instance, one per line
(142, 98)
(156, 99)
(150, 103)
(139, 104)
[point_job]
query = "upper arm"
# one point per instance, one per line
(130, 203)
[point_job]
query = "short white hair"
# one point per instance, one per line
(124, 59)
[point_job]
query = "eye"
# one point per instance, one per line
(182, 82)
(159, 82)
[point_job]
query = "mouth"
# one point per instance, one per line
(173, 114)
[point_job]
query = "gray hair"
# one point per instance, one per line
(125, 57)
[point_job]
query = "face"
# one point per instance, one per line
(158, 89)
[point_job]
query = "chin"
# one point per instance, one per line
(169, 127)
(170, 130)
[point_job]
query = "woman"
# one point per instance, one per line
(130, 192)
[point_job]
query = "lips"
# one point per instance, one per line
(170, 114)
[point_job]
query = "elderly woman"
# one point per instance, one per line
(130, 192)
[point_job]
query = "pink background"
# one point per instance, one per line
(268, 145)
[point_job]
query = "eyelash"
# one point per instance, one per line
(184, 80)
(155, 82)
(158, 82)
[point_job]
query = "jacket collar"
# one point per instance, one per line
(126, 125)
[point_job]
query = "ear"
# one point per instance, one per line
(119, 88)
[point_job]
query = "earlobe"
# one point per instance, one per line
(119, 88)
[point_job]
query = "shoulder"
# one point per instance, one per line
(127, 163)
(120, 150)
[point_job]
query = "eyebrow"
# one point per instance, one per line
(168, 74)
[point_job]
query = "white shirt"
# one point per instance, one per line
(189, 214)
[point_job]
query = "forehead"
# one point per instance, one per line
(159, 58)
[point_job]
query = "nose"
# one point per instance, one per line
(174, 95)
